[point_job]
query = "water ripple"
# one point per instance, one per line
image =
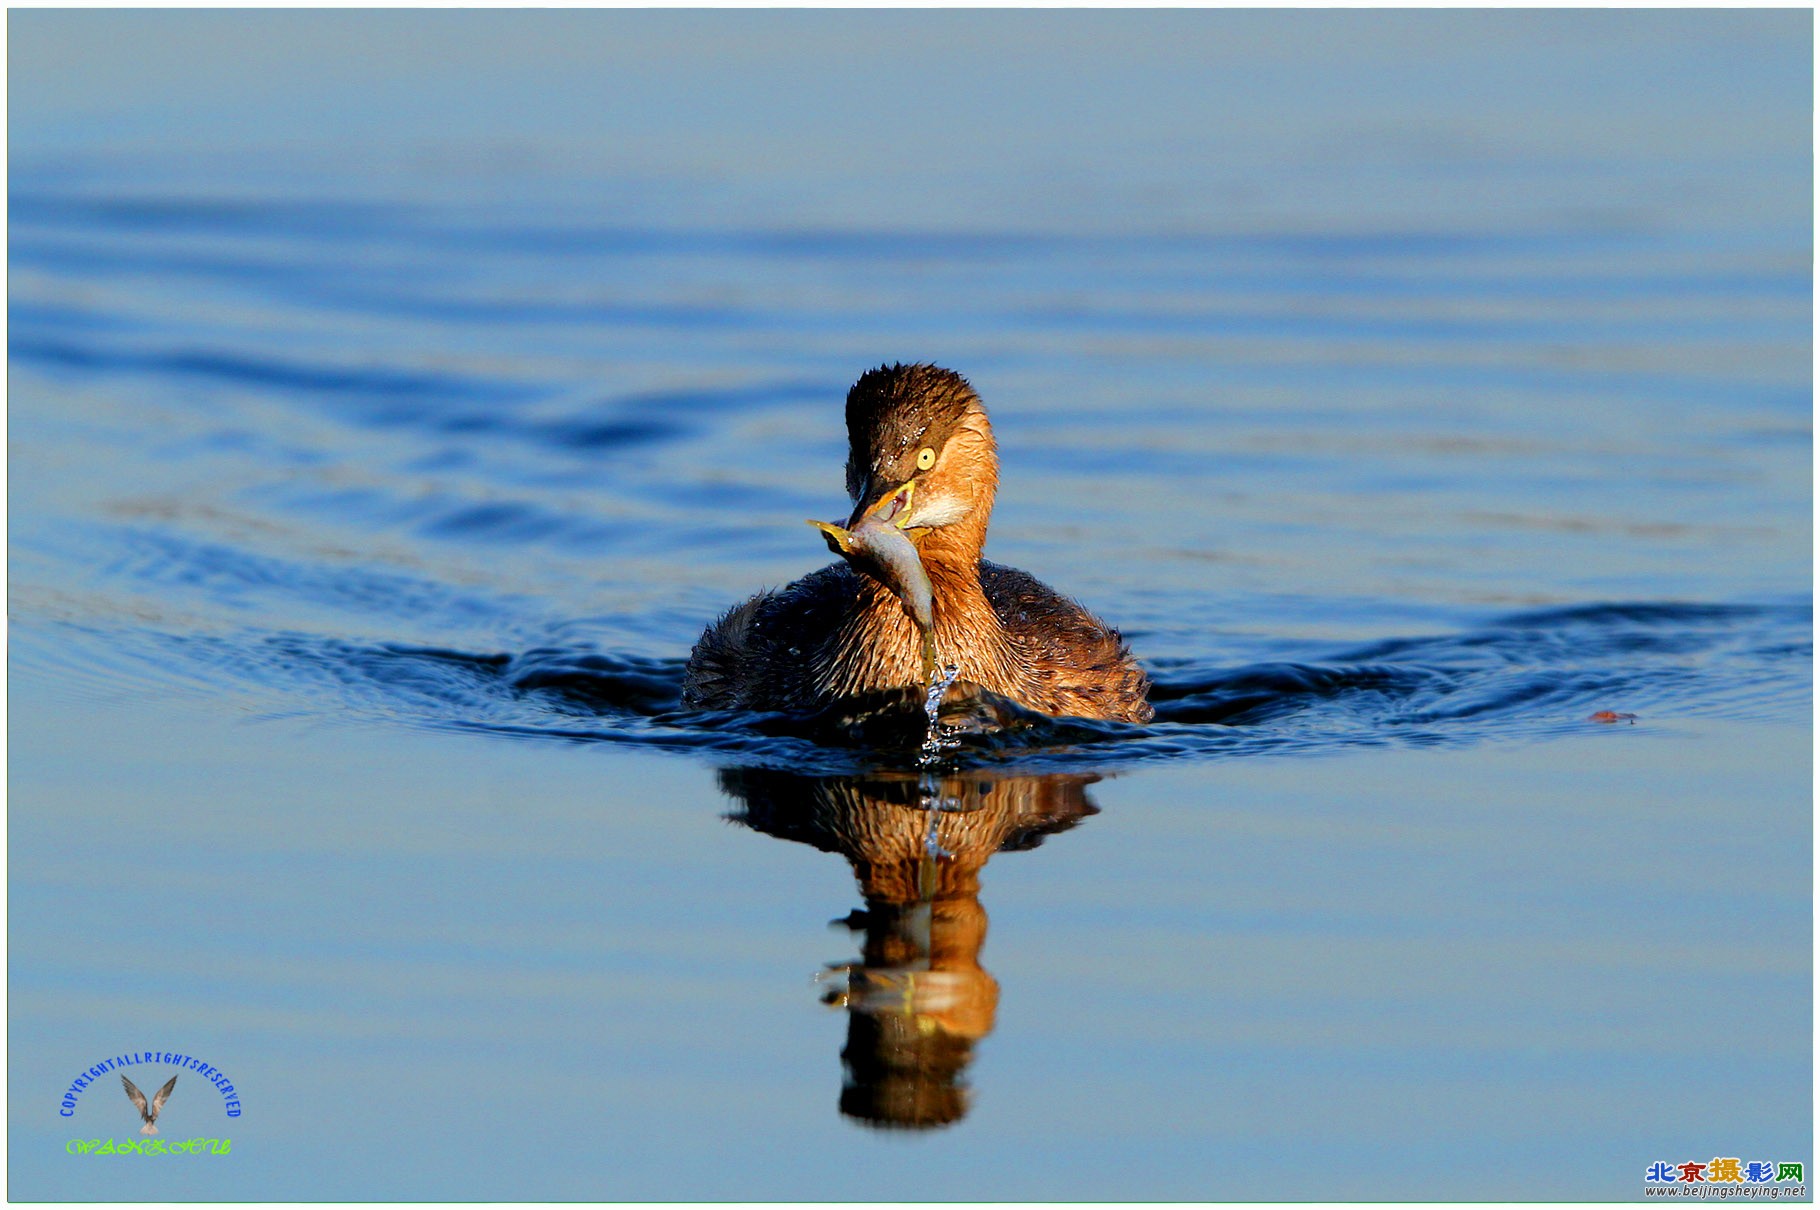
(388, 396)
(1527, 676)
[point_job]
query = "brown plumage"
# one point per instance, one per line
(921, 456)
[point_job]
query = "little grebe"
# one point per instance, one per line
(921, 461)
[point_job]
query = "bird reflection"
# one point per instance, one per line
(917, 999)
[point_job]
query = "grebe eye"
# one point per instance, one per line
(925, 458)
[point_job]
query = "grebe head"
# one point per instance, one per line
(921, 456)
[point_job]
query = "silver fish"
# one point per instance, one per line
(888, 553)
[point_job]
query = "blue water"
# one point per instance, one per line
(1413, 392)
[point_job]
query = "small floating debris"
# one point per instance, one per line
(1611, 716)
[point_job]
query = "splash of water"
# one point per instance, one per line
(935, 741)
(934, 744)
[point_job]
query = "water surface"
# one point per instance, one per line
(362, 519)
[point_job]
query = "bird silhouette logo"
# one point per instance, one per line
(149, 1114)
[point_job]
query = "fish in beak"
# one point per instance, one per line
(878, 542)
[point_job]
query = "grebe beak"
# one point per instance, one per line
(890, 507)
